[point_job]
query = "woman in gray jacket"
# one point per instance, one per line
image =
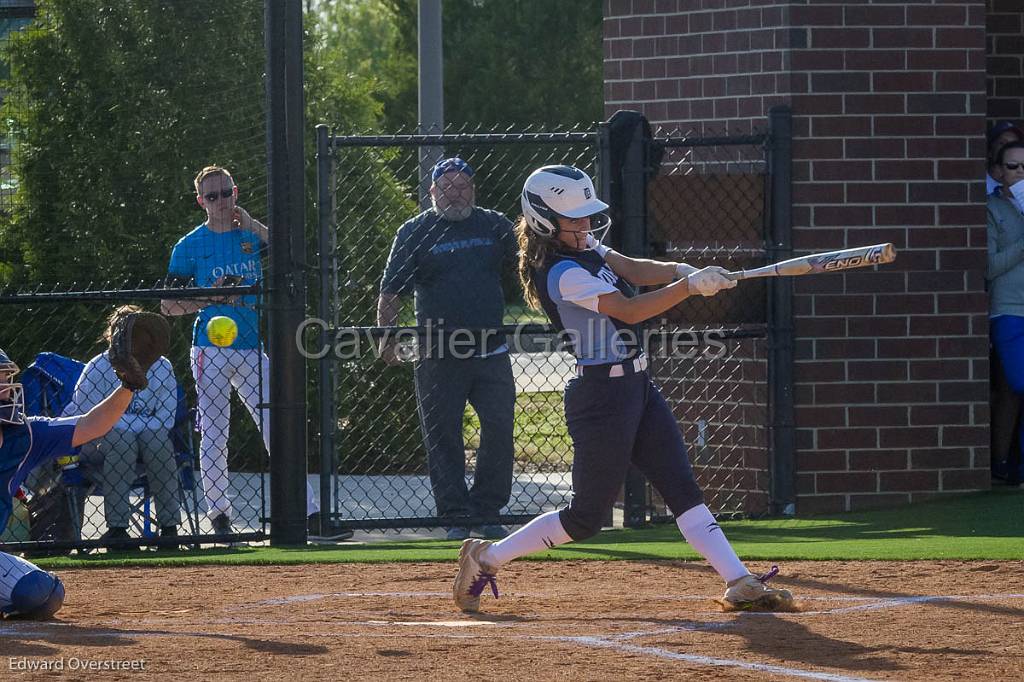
(1006, 273)
(142, 434)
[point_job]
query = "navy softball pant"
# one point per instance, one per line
(614, 421)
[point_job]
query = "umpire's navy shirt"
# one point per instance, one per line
(454, 269)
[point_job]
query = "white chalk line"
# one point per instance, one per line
(602, 643)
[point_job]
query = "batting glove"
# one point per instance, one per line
(709, 281)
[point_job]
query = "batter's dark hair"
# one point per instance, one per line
(534, 252)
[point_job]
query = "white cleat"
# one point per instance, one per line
(473, 576)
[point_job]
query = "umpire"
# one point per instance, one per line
(453, 257)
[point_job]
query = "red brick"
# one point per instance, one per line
(814, 460)
(936, 16)
(875, 282)
(936, 148)
(876, 460)
(960, 37)
(903, 392)
(931, 237)
(901, 37)
(961, 169)
(904, 125)
(935, 281)
(844, 305)
(828, 216)
(882, 501)
(877, 370)
(818, 239)
(818, 193)
(908, 480)
(938, 193)
(966, 347)
(804, 105)
(839, 37)
(876, 104)
(820, 504)
(939, 370)
(878, 415)
(938, 325)
(963, 391)
(962, 215)
(903, 81)
(963, 303)
(906, 349)
(905, 215)
(842, 349)
(819, 371)
(923, 415)
(945, 103)
(962, 259)
(904, 170)
(940, 458)
(817, 60)
(819, 417)
(846, 482)
(965, 435)
(876, 192)
(803, 15)
(874, 326)
(819, 327)
(874, 15)
(938, 60)
(826, 394)
(966, 479)
(909, 304)
(875, 60)
(960, 125)
(818, 149)
(840, 170)
(959, 81)
(840, 126)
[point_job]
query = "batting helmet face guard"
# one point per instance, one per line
(554, 192)
(12, 394)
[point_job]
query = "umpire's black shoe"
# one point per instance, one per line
(331, 532)
(168, 532)
(221, 524)
(115, 533)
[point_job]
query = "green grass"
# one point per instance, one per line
(540, 436)
(982, 526)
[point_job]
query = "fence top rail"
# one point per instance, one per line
(116, 294)
(459, 138)
(722, 141)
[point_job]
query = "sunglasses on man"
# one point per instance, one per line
(223, 194)
(1013, 165)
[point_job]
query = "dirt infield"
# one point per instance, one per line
(554, 621)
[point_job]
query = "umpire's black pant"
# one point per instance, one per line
(443, 386)
(614, 421)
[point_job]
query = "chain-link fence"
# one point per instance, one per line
(406, 448)
(185, 444)
(706, 206)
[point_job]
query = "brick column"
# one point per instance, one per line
(889, 120)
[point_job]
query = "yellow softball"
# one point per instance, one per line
(222, 331)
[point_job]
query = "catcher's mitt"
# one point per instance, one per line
(137, 340)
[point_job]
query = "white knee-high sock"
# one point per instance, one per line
(543, 532)
(700, 529)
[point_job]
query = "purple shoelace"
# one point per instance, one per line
(481, 580)
(765, 577)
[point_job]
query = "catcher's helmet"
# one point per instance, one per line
(12, 394)
(552, 192)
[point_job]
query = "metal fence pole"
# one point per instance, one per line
(287, 292)
(634, 243)
(325, 387)
(780, 316)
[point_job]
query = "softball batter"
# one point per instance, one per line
(614, 412)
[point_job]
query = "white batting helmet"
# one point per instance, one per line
(552, 192)
(12, 394)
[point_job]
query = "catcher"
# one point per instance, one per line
(136, 341)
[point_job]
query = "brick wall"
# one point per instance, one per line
(1005, 48)
(889, 118)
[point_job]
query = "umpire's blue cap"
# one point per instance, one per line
(448, 165)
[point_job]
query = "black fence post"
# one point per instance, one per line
(328, 287)
(780, 315)
(287, 291)
(633, 212)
